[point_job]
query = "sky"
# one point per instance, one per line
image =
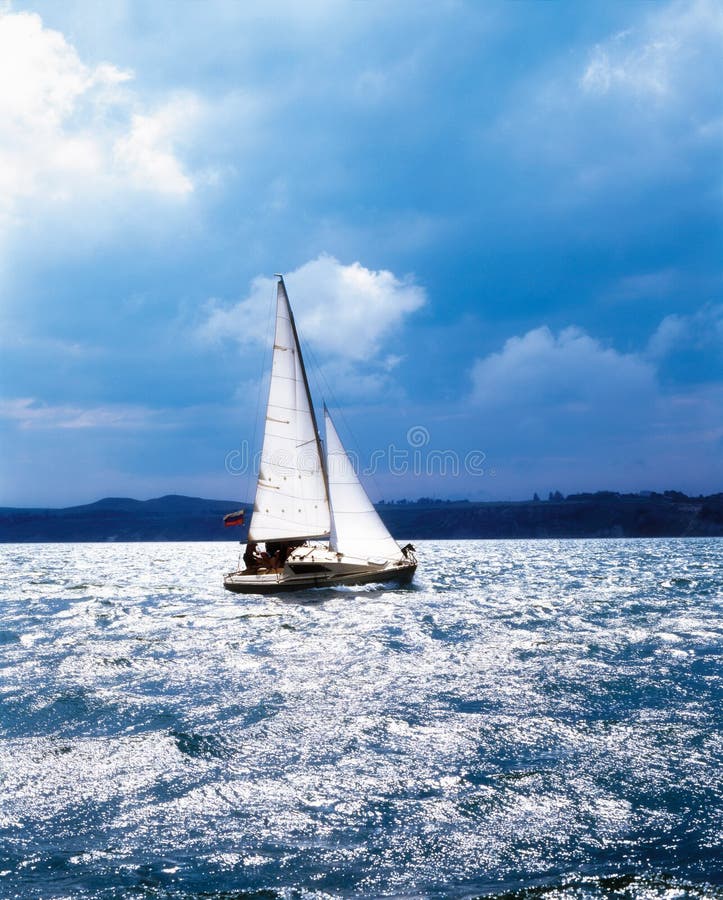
(500, 225)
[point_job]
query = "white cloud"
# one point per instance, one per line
(69, 130)
(557, 407)
(146, 153)
(699, 331)
(28, 413)
(571, 373)
(621, 64)
(641, 108)
(669, 333)
(656, 59)
(344, 311)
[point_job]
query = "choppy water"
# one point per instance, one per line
(528, 719)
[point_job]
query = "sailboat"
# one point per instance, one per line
(311, 512)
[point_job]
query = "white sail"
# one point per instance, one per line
(356, 528)
(291, 498)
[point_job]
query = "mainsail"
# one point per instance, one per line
(356, 529)
(291, 497)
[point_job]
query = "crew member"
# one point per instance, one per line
(251, 557)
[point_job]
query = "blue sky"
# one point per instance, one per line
(500, 223)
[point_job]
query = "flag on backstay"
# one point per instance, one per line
(234, 518)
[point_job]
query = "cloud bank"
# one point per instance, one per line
(155, 155)
(569, 372)
(72, 130)
(564, 403)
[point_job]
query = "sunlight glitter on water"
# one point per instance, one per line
(541, 715)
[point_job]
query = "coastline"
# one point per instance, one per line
(177, 518)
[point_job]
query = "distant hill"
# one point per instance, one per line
(170, 518)
(177, 518)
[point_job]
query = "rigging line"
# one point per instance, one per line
(338, 409)
(262, 380)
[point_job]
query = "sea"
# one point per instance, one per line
(528, 719)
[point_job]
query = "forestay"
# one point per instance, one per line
(291, 498)
(356, 529)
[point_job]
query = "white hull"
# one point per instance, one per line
(320, 567)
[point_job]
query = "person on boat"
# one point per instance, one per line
(251, 557)
(267, 560)
(279, 552)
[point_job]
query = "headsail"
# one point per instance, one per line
(291, 496)
(356, 528)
